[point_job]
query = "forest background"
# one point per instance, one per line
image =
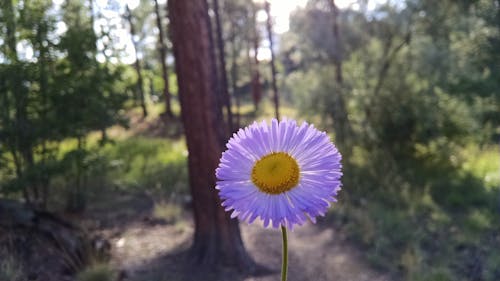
(97, 103)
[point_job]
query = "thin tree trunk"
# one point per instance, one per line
(387, 60)
(22, 140)
(76, 201)
(104, 135)
(222, 67)
(254, 68)
(234, 74)
(336, 36)
(273, 64)
(163, 60)
(341, 121)
(251, 69)
(43, 80)
(217, 238)
(137, 64)
(19, 174)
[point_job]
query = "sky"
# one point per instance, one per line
(280, 12)
(281, 9)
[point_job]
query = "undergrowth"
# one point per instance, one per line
(436, 221)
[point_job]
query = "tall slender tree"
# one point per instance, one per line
(221, 55)
(20, 145)
(336, 37)
(254, 67)
(137, 63)
(234, 70)
(342, 126)
(162, 49)
(217, 238)
(273, 63)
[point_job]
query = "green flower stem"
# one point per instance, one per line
(284, 265)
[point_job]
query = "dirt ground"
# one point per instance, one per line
(152, 249)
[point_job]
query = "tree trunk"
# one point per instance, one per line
(43, 60)
(222, 68)
(217, 238)
(254, 68)
(273, 65)
(339, 114)
(234, 73)
(76, 200)
(21, 147)
(163, 60)
(387, 59)
(336, 37)
(137, 64)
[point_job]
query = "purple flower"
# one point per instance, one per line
(283, 173)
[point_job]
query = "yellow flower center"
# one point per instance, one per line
(275, 173)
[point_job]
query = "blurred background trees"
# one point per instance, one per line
(409, 90)
(53, 88)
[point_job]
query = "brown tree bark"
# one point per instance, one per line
(163, 60)
(217, 238)
(222, 67)
(234, 74)
(137, 64)
(254, 67)
(273, 64)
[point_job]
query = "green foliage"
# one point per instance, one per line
(396, 90)
(167, 211)
(420, 91)
(61, 92)
(148, 163)
(78, 167)
(416, 191)
(97, 272)
(419, 188)
(133, 164)
(483, 164)
(410, 219)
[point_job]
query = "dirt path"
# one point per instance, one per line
(154, 252)
(316, 253)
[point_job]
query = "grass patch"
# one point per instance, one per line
(97, 272)
(135, 164)
(483, 164)
(169, 212)
(148, 163)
